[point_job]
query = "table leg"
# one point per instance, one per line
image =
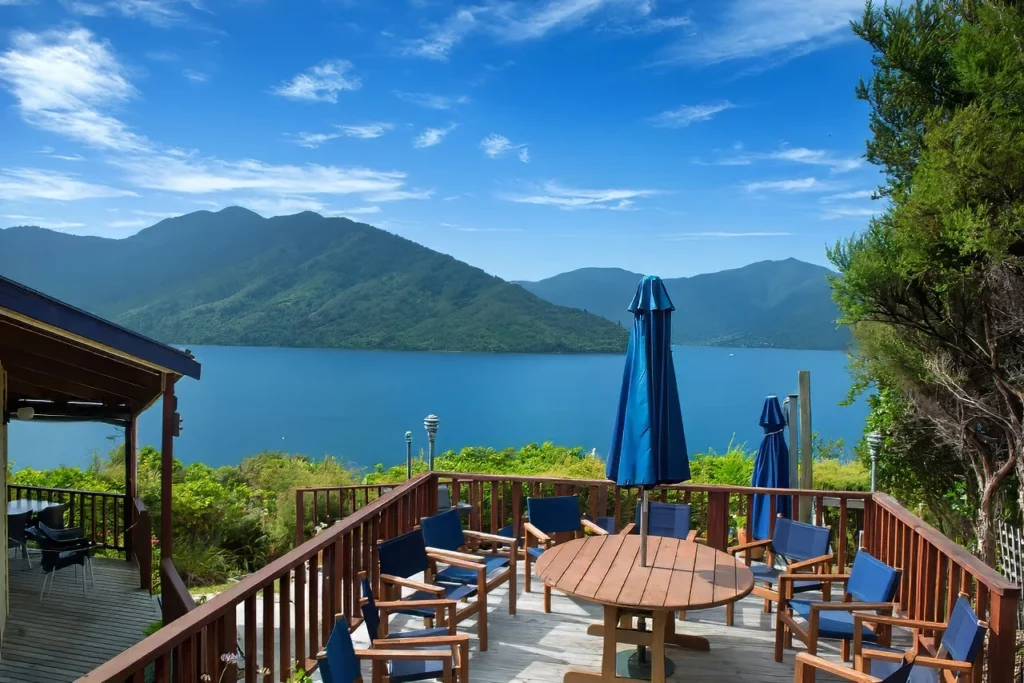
(632, 636)
(658, 633)
(607, 675)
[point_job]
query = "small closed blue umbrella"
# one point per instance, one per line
(648, 445)
(771, 468)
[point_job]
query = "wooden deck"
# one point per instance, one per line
(68, 634)
(538, 647)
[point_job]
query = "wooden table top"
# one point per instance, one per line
(679, 576)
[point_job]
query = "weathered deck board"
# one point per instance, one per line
(68, 634)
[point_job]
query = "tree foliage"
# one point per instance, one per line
(934, 287)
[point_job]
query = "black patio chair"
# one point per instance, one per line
(52, 517)
(16, 525)
(63, 548)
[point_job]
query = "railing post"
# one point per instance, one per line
(300, 518)
(1002, 642)
(718, 519)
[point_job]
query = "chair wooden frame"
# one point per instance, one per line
(770, 592)
(787, 627)
(546, 541)
(925, 655)
(806, 664)
(455, 659)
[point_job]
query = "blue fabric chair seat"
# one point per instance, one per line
(535, 552)
(461, 575)
(919, 674)
(401, 670)
(766, 574)
(831, 624)
(452, 591)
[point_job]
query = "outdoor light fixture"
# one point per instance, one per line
(26, 413)
(430, 423)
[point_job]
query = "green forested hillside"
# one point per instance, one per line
(236, 278)
(785, 304)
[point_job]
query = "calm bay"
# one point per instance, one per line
(357, 405)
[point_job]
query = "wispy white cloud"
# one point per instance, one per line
(195, 76)
(690, 113)
(648, 25)
(553, 194)
(129, 223)
(466, 228)
(159, 215)
(313, 140)
(851, 212)
(80, 7)
(53, 154)
(444, 37)
(432, 136)
(282, 205)
(162, 56)
(431, 101)
(495, 145)
(36, 183)
(366, 131)
(792, 185)
(66, 81)
(796, 155)
(355, 211)
(714, 235)
(162, 13)
(320, 83)
(774, 30)
(399, 195)
(40, 222)
(858, 194)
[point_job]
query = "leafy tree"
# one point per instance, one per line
(934, 287)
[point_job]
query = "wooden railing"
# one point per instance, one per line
(175, 599)
(141, 533)
(296, 601)
(935, 569)
(101, 514)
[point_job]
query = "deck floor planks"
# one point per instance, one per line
(68, 634)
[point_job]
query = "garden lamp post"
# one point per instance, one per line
(874, 446)
(408, 455)
(430, 423)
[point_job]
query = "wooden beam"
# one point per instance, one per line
(19, 357)
(806, 443)
(167, 468)
(62, 385)
(131, 487)
(69, 411)
(17, 335)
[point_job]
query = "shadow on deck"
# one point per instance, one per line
(68, 634)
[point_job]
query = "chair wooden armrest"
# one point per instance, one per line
(409, 583)
(806, 661)
(404, 604)
(414, 655)
(420, 642)
(818, 578)
(749, 546)
(628, 529)
(931, 626)
(945, 664)
(692, 536)
(536, 533)
(476, 564)
(493, 538)
(441, 554)
(852, 606)
(587, 524)
(812, 562)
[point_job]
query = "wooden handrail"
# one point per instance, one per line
(102, 523)
(142, 546)
(988, 576)
(176, 600)
(159, 645)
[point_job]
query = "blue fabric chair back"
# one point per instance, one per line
(901, 675)
(665, 519)
(798, 541)
(341, 665)
(872, 580)
(404, 555)
(964, 634)
(371, 615)
(554, 515)
(443, 530)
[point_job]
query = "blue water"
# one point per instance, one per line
(357, 405)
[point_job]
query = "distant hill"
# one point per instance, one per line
(236, 278)
(784, 304)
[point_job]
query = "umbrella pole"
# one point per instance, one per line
(643, 529)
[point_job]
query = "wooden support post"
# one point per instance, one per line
(718, 519)
(806, 444)
(131, 485)
(170, 406)
(793, 418)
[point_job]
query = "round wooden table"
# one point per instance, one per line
(680, 576)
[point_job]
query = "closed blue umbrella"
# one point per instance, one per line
(648, 445)
(771, 468)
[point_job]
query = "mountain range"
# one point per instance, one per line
(236, 278)
(785, 304)
(233, 277)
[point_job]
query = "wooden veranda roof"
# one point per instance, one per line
(68, 364)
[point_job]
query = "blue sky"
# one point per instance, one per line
(527, 138)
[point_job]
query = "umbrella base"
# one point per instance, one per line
(628, 664)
